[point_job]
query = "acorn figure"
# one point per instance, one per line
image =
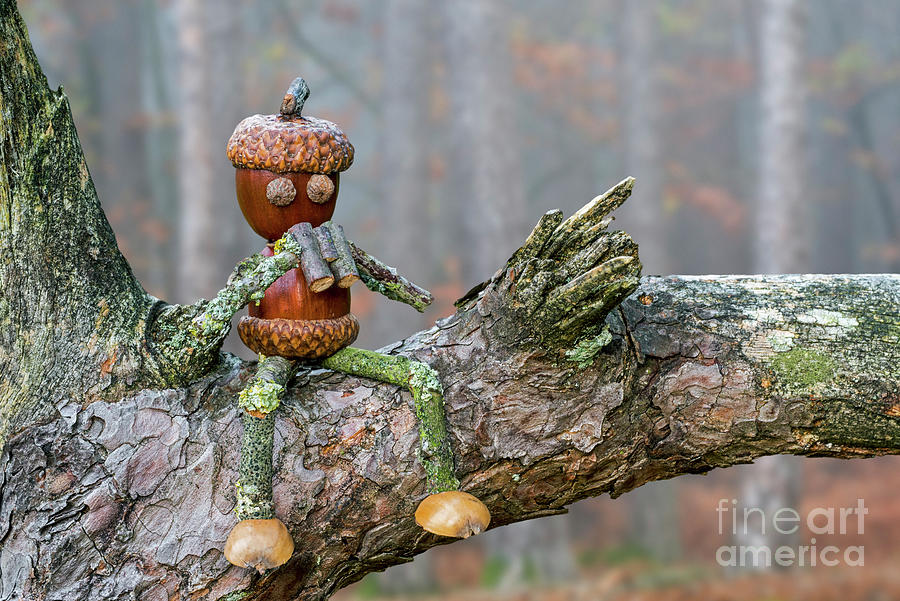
(287, 179)
(287, 175)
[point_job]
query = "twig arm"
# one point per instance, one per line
(384, 279)
(185, 339)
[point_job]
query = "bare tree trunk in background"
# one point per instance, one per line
(226, 31)
(653, 510)
(197, 219)
(486, 170)
(640, 135)
(156, 97)
(781, 241)
(780, 233)
(404, 182)
(487, 181)
(405, 191)
(112, 124)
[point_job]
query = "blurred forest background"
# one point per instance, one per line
(764, 136)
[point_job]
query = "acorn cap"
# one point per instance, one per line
(289, 142)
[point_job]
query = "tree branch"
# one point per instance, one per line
(385, 280)
(700, 373)
(69, 303)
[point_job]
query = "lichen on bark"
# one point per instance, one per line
(254, 489)
(584, 352)
(264, 392)
(800, 369)
(567, 276)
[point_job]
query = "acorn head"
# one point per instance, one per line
(259, 544)
(453, 513)
(287, 166)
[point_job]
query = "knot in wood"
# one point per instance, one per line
(281, 192)
(319, 188)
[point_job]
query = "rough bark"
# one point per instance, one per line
(653, 515)
(700, 373)
(119, 456)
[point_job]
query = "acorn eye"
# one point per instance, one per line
(320, 188)
(281, 192)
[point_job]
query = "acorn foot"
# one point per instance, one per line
(453, 513)
(259, 544)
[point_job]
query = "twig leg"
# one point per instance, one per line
(259, 540)
(259, 400)
(446, 510)
(425, 385)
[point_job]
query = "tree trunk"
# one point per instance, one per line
(120, 430)
(640, 130)
(486, 171)
(781, 234)
(405, 189)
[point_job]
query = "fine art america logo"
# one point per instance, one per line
(752, 529)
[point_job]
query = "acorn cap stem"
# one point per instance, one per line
(294, 99)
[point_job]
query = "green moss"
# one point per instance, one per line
(587, 348)
(369, 364)
(802, 368)
(437, 457)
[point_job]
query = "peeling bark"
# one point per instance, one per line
(118, 483)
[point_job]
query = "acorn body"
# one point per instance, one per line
(293, 321)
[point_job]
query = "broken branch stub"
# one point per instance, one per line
(566, 278)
